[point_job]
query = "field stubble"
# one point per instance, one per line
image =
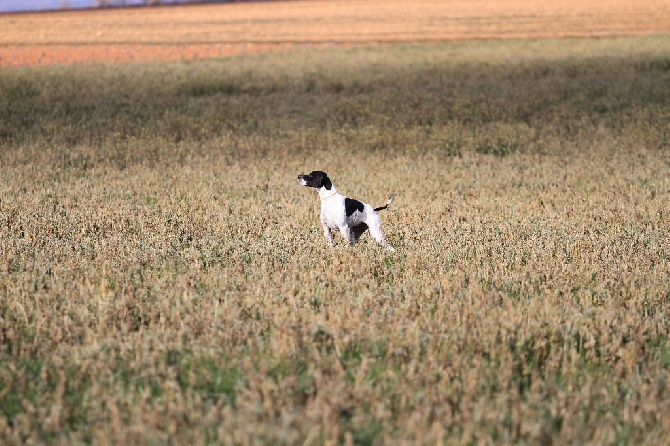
(164, 277)
(214, 31)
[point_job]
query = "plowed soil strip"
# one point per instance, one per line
(184, 33)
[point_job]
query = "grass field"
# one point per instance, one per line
(164, 278)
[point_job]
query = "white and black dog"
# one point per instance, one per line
(351, 217)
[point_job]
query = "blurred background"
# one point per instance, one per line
(47, 5)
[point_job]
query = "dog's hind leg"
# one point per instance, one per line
(375, 224)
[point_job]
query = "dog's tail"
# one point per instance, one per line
(386, 206)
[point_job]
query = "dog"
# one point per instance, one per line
(351, 217)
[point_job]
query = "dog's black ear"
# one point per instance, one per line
(321, 179)
(327, 183)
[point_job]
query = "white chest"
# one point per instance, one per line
(332, 211)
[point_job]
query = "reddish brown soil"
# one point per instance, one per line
(193, 32)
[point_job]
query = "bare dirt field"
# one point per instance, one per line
(193, 32)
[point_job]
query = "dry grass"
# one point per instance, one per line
(178, 33)
(164, 277)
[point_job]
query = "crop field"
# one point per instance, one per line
(164, 278)
(212, 31)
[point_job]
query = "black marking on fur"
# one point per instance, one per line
(351, 206)
(386, 206)
(327, 183)
(358, 230)
(317, 179)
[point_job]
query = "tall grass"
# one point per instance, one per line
(164, 277)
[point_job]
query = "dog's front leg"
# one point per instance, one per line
(345, 231)
(327, 233)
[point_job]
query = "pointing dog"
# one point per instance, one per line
(351, 217)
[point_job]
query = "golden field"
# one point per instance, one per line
(164, 278)
(212, 31)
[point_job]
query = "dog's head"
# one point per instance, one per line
(316, 179)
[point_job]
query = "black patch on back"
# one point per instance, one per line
(351, 206)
